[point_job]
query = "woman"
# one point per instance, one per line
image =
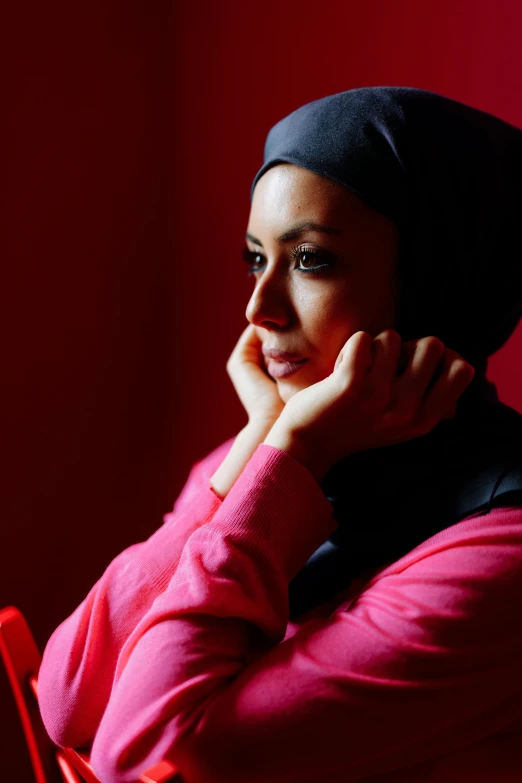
(335, 595)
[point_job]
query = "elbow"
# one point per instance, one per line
(61, 726)
(65, 722)
(71, 708)
(58, 730)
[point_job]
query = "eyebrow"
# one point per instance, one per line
(297, 230)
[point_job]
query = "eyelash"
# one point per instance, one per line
(296, 252)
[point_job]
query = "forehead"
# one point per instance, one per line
(287, 193)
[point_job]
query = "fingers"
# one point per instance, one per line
(353, 361)
(407, 351)
(455, 376)
(247, 348)
(426, 356)
(249, 339)
(370, 366)
(245, 368)
(386, 352)
(419, 381)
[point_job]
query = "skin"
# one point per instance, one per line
(314, 315)
(348, 396)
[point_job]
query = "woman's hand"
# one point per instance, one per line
(256, 390)
(260, 398)
(381, 392)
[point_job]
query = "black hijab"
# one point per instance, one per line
(450, 177)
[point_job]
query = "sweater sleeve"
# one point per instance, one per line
(426, 659)
(79, 660)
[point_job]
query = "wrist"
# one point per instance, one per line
(262, 420)
(245, 444)
(260, 425)
(286, 440)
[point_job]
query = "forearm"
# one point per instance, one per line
(245, 444)
(78, 664)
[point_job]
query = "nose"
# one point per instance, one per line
(270, 302)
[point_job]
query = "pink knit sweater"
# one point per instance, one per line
(182, 650)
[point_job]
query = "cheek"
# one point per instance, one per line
(328, 318)
(333, 326)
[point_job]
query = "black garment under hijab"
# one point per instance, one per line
(450, 177)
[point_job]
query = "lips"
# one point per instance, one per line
(281, 356)
(283, 369)
(282, 364)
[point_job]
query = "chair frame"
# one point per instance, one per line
(51, 763)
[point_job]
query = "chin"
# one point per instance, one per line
(287, 389)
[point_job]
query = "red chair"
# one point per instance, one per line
(51, 764)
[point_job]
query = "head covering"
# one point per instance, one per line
(450, 177)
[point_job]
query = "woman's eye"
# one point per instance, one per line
(306, 255)
(256, 262)
(252, 259)
(307, 259)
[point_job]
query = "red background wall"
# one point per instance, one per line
(134, 131)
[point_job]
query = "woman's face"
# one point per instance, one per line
(312, 314)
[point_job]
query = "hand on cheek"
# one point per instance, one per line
(380, 392)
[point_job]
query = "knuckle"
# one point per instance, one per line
(381, 397)
(460, 364)
(421, 423)
(393, 336)
(373, 404)
(423, 428)
(348, 383)
(461, 371)
(393, 341)
(431, 414)
(404, 416)
(427, 421)
(350, 386)
(434, 344)
(451, 357)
